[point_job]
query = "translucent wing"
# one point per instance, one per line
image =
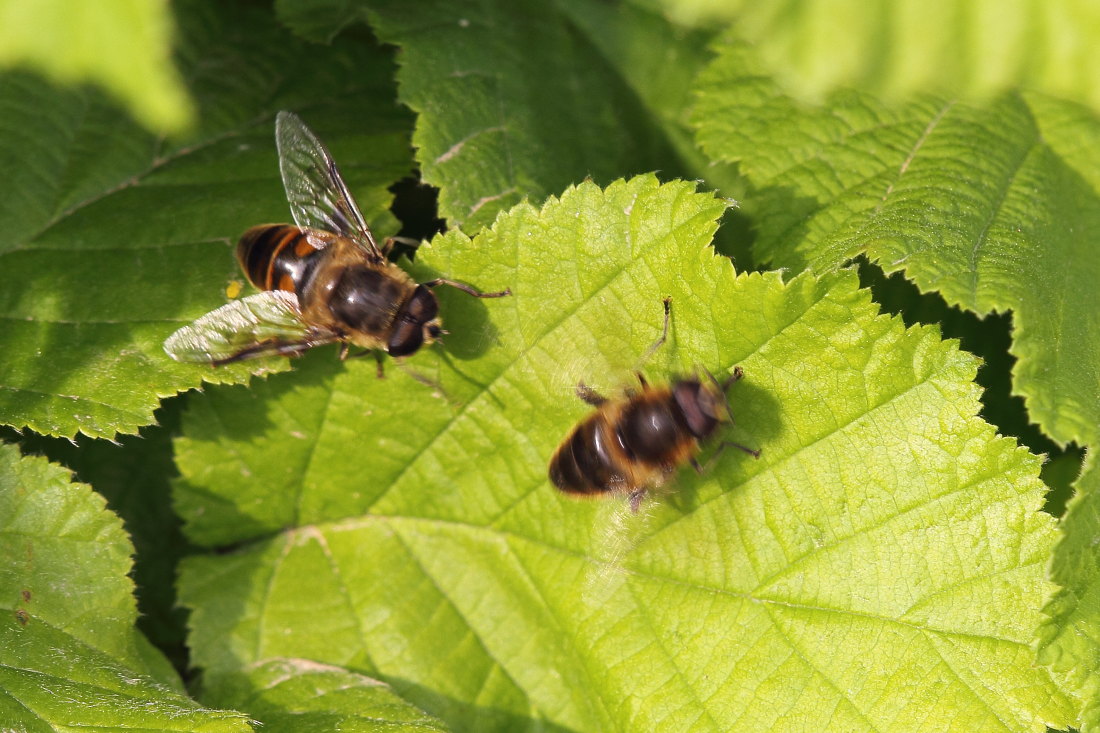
(260, 325)
(318, 197)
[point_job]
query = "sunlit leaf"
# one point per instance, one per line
(968, 48)
(1070, 638)
(123, 45)
(416, 539)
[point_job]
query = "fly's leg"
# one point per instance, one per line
(466, 288)
(590, 395)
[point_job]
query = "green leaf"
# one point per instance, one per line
(497, 123)
(628, 37)
(122, 45)
(1069, 639)
(133, 475)
(829, 585)
(74, 554)
(987, 338)
(1060, 473)
(295, 695)
(995, 207)
(317, 20)
(113, 239)
(69, 654)
(899, 47)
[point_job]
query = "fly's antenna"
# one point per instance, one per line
(724, 385)
(661, 340)
(735, 376)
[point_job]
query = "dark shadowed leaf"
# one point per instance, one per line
(70, 657)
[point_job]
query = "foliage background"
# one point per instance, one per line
(321, 548)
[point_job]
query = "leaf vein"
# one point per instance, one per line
(308, 466)
(982, 238)
(593, 679)
(466, 621)
(156, 164)
(396, 519)
(334, 568)
(981, 699)
(816, 670)
(75, 399)
(882, 522)
(671, 659)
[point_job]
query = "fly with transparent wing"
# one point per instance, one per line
(324, 278)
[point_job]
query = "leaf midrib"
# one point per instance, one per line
(358, 523)
(155, 164)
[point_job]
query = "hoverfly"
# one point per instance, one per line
(635, 443)
(323, 279)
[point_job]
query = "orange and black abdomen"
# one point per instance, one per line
(589, 461)
(278, 257)
(624, 446)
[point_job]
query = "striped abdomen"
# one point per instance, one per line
(633, 443)
(590, 460)
(278, 257)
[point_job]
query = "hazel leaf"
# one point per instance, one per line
(828, 585)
